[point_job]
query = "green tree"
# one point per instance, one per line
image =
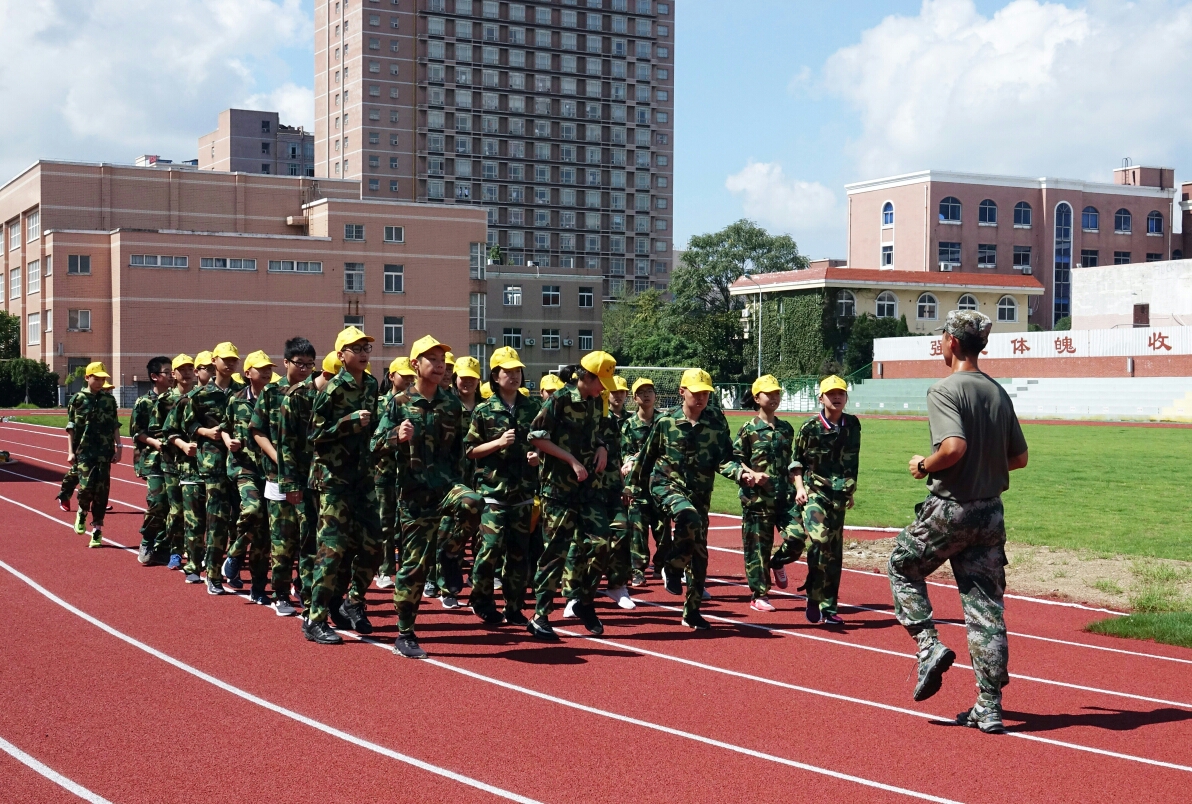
(27, 381)
(1063, 324)
(10, 335)
(858, 351)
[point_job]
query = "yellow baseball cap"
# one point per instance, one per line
(696, 380)
(641, 382)
(425, 344)
(225, 350)
(550, 382)
(467, 366)
(524, 391)
(276, 378)
(350, 335)
(620, 383)
(107, 385)
(507, 358)
(96, 369)
(486, 390)
(766, 384)
(182, 360)
(203, 358)
(401, 365)
(237, 377)
(603, 365)
(256, 360)
(449, 359)
(331, 363)
(832, 383)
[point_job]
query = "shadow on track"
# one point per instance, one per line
(1097, 717)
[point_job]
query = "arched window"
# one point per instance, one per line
(967, 302)
(846, 304)
(1007, 310)
(987, 212)
(1154, 222)
(1062, 266)
(1122, 223)
(888, 214)
(1177, 254)
(887, 305)
(928, 308)
(1090, 219)
(1022, 214)
(950, 209)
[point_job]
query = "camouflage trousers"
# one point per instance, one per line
(170, 538)
(818, 524)
(757, 543)
(252, 528)
(70, 482)
(95, 480)
(194, 514)
(575, 536)
(292, 540)
(972, 537)
(157, 508)
(220, 521)
(643, 519)
(459, 522)
(620, 560)
(419, 518)
(348, 547)
(387, 507)
(689, 548)
(504, 543)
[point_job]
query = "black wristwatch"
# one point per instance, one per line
(923, 469)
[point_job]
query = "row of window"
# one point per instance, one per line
(552, 296)
(927, 306)
(393, 328)
(542, 151)
(551, 340)
(77, 321)
(516, 194)
(987, 215)
(32, 230)
(521, 59)
(437, 74)
(542, 37)
(949, 252)
(491, 9)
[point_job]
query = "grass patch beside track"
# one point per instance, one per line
(57, 420)
(1170, 628)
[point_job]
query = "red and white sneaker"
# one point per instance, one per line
(64, 504)
(779, 577)
(761, 604)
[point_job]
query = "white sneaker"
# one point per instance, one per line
(621, 597)
(384, 582)
(449, 602)
(569, 611)
(284, 608)
(496, 584)
(705, 595)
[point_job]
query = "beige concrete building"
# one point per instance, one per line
(1005, 225)
(247, 141)
(121, 263)
(557, 119)
(1154, 294)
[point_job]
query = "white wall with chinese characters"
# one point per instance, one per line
(1134, 342)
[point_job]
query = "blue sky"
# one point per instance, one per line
(779, 103)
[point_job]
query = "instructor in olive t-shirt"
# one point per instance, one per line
(976, 442)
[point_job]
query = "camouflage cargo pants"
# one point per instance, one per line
(642, 519)
(157, 508)
(822, 519)
(308, 528)
(252, 527)
(95, 480)
(504, 543)
(458, 524)
(575, 544)
(419, 521)
(283, 545)
(757, 542)
(220, 522)
(194, 514)
(972, 537)
(387, 507)
(689, 548)
(620, 560)
(348, 546)
(170, 539)
(789, 521)
(70, 482)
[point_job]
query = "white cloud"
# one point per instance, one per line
(295, 104)
(769, 196)
(1036, 89)
(111, 79)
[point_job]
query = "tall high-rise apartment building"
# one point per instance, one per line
(556, 116)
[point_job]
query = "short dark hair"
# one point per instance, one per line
(970, 344)
(495, 372)
(158, 365)
(299, 347)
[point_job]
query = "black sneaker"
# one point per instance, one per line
(453, 576)
(489, 616)
(934, 661)
(355, 615)
(407, 646)
(144, 555)
(338, 618)
(539, 628)
(813, 612)
(587, 616)
(672, 579)
(429, 589)
(320, 632)
(258, 596)
(513, 617)
(696, 621)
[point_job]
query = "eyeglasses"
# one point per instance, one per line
(302, 364)
(360, 349)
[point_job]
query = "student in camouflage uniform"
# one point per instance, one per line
(205, 423)
(642, 517)
(147, 461)
(194, 492)
(425, 434)
(170, 542)
(685, 451)
(976, 442)
(567, 433)
(547, 386)
(824, 464)
(507, 476)
(385, 472)
(294, 455)
(342, 420)
(93, 430)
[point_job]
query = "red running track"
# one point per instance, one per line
(140, 688)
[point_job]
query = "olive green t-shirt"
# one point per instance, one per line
(973, 406)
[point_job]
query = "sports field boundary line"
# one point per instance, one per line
(16, 426)
(50, 483)
(55, 463)
(54, 776)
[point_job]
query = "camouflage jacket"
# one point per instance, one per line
(294, 450)
(683, 458)
(610, 436)
(828, 457)
(162, 406)
(247, 460)
(145, 459)
(432, 461)
(763, 448)
(93, 422)
(266, 420)
(634, 433)
(208, 408)
(504, 475)
(186, 467)
(384, 462)
(574, 424)
(340, 441)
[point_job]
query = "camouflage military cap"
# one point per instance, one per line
(968, 323)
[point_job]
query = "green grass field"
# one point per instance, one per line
(57, 420)
(1172, 628)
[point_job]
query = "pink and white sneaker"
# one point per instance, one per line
(779, 577)
(761, 604)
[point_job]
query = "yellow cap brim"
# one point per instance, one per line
(510, 365)
(475, 375)
(768, 389)
(103, 374)
(609, 385)
(699, 387)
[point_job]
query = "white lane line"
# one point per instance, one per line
(961, 625)
(266, 704)
(18, 427)
(58, 485)
(864, 701)
(51, 774)
(846, 527)
(63, 523)
(56, 463)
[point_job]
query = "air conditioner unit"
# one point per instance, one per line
(1026, 269)
(567, 342)
(491, 341)
(947, 266)
(528, 341)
